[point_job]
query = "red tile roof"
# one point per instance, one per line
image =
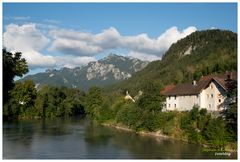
(167, 88)
(190, 89)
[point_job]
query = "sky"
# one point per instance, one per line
(55, 35)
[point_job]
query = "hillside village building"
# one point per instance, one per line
(209, 92)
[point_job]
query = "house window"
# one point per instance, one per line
(175, 97)
(207, 95)
(175, 105)
(169, 97)
(196, 96)
(211, 86)
(209, 106)
(169, 105)
(219, 100)
(211, 95)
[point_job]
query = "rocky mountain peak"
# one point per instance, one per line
(106, 71)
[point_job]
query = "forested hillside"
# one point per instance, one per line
(199, 54)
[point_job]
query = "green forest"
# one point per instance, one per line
(214, 52)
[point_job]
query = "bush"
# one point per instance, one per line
(105, 113)
(169, 127)
(129, 115)
(215, 133)
(195, 137)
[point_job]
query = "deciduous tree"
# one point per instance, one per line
(13, 65)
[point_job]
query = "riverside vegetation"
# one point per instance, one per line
(23, 100)
(108, 106)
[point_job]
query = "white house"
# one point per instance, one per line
(209, 92)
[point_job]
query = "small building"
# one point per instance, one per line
(209, 92)
(128, 97)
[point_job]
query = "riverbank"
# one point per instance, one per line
(230, 147)
(158, 134)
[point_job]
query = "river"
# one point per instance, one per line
(78, 138)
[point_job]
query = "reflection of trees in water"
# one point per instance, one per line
(143, 147)
(96, 135)
(24, 131)
(179, 150)
(27, 139)
(139, 147)
(58, 126)
(147, 147)
(17, 136)
(101, 143)
(19, 131)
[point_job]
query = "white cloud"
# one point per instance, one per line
(83, 43)
(29, 40)
(80, 47)
(143, 56)
(70, 34)
(140, 43)
(75, 47)
(38, 60)
(24, 38)
(88, 44)
(108, 39)
(73, 61)
(172, 35)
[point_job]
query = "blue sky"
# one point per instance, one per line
(72, 34)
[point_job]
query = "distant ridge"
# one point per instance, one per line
(109, 70)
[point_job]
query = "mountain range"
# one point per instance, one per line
(109, 70)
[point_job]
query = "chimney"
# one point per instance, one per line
(194, 82)
(228, 76)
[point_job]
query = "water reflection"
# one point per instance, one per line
(56, 127)
(78, 138)
(142, 147)
(94, 135)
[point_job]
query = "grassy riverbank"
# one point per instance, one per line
(229, 147)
